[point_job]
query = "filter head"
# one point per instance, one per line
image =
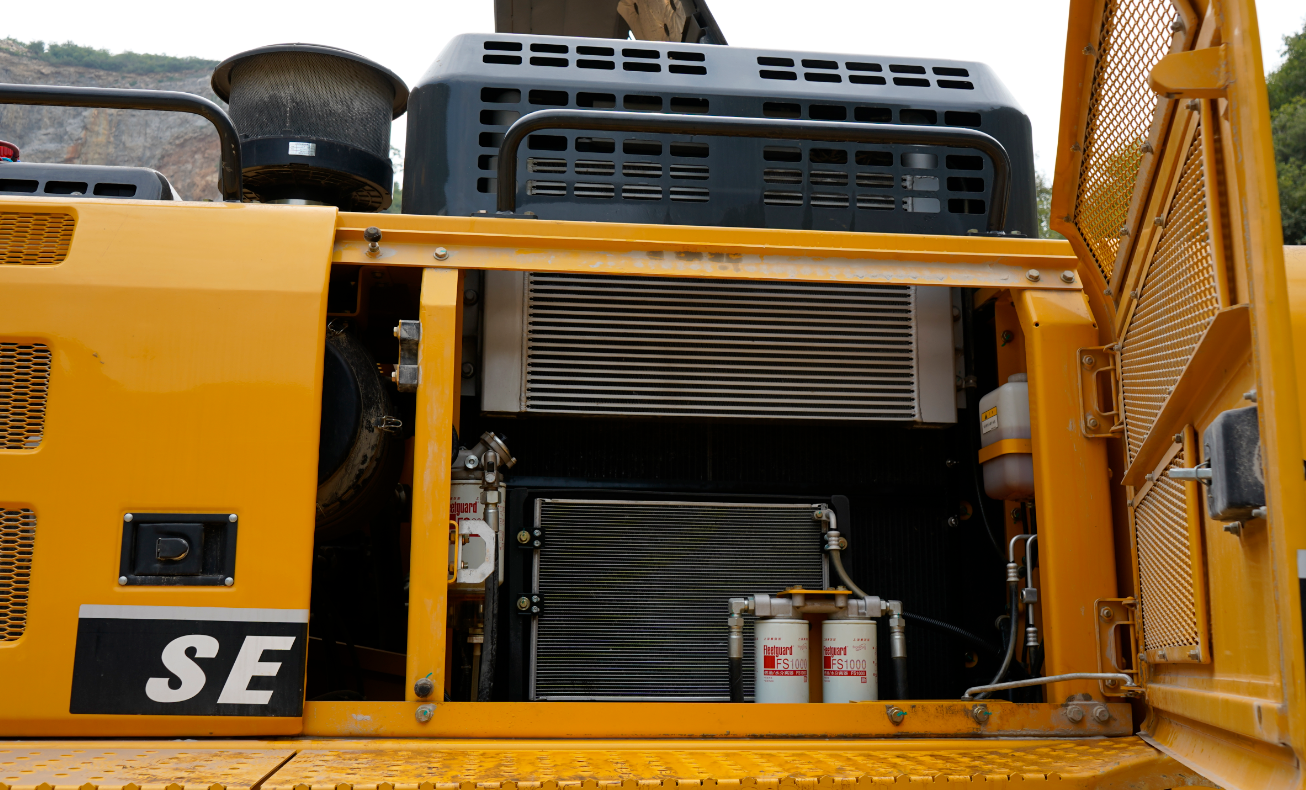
(314, 124)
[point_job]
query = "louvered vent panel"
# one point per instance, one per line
(634, 593)
(17, 542)
(35, 238)
(690, 347)
(24, 386)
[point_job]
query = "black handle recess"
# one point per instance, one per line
(128, 99)
(824, 131)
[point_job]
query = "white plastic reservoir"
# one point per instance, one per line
(848, 661)
(1004, 414)
(780, 661)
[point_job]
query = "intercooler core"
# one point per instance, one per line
(633, 592)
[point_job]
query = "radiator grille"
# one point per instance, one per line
(32, 238)
(634, 593)
(17, 541)
(1165, 565)
(1175, 303)
(1135, 35)
(670, 346)
(24, 385)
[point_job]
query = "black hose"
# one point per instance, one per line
(939, 625)
(736, 679)
(485, 683)
(900, 676)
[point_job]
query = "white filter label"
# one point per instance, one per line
(780, 661)
(989, 420)
(303, 149)
(847, 661)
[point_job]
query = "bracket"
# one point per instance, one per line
(1116, 624)
(407, 374)
(1099, 397)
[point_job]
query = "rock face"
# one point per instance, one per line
(183, 147)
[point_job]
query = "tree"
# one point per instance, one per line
(1043, 201)
(1287, 90)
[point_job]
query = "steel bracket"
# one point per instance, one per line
(528, 605)
(1099, 392)
(1117, 642)
(407, 374)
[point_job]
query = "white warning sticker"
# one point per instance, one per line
(989, 420)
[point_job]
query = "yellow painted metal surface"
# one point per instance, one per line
(187, 344)
(555, 764)
(924, 719)
(688, 251)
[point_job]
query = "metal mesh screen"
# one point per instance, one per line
(32, 238)
(1134, 36)
(24, 386)
(670, 346)
(17, 541)
(1165, 565)
(328, 98)
(1177, 300)
(634, 593)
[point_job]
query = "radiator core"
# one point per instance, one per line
(633, 593)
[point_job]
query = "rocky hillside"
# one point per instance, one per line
(182, 147)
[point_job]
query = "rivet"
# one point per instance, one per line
(440, 254)
(232, 518)
(122, 580)
(127, 517)
(228, 581)
(1033, 275)
(1067, 277)
(425, 712)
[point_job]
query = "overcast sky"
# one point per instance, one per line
(1022, 39)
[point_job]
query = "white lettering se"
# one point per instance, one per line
(187, 671)
(237, 691)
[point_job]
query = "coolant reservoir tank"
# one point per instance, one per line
(1004, 414)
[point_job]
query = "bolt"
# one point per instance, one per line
(523, 537)
(1111, 683)
(122, 580)
(423, 688)
(896, 714)
(469, 370)
(535, 610)
(1067, 276)
(1033, 275)
(1088, 360)
(1159, 222)
(232, 518)
(1236, 528)
(1106, 613)
(953, 521)
(127, 517)
(440, 254)
(1178, 437)
(1075, 714)
(1092, 421)
(1251, 396)
(425, 712)
(950, 463)
(523, 603)
(1007, 336)
(1101, 715)
(1194, 105)
(471, 297)
(980, 713)
(228, 581)
(1195, 655)
(1178, 26)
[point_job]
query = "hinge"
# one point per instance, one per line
(1117, 642)
(407, 374)
(1099, 392)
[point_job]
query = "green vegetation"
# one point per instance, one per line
(70, 54)
(1287, 88)
(1043, 200)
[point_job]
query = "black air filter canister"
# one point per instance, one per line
(314, 124)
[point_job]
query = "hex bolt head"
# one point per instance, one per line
(425, 712)
(122, 580)
(423, 687)
(1101, 715)
(1106, 613)
(524, 603)
(896, 714)
(1067, 276)
(440, 254)
(981, 713)
(1092, 421)
(1075, 714)
(1033, 275)
(1088, 360)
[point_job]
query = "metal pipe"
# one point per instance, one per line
(131, 99)
(764, 128)
(735, 646)
(976, 691)
(1014, 595)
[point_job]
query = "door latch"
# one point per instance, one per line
(407, 374)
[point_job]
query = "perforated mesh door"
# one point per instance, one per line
(35, 238)
(1176, 301)
(1135, 35)
(1167, 599)
(17, 542)
(24, 386)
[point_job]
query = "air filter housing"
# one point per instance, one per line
(314, 124)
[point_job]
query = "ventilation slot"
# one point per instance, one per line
(24, 387)
(641, 169)
(17, 544)
(537, 165)
(773, 198)
(641, 192)
(582, 190)
(782, 175)
(682, 557)
(31, 238)
(881, 180)
(876, 202)
(683, 346)
(829, 177)
(689, 171)
(546, 188)
(689, 194)
(594, 167)
(829, 200)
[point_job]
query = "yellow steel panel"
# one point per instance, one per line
(186, 345)
(92, 766)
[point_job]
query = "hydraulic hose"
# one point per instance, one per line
(843, 575)
(960, 633)
(1014, 588)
